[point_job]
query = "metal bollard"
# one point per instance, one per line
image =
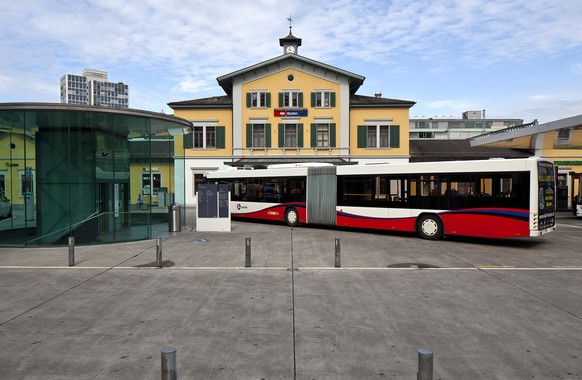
(71, 251)
(338, 249)
(424, 364)
(247, 252)
(169, 363)
(159, 252)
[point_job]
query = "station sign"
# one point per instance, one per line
(290, 113)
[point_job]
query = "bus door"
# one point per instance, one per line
(321, 195)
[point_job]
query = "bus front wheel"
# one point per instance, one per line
(292, 217)
(429, 227)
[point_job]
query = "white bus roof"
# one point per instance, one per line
(492, 165)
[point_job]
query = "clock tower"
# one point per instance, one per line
(290, 43)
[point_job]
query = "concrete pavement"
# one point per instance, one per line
(488, 309)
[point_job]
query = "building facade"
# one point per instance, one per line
(559, 141)
(93, 88)
(470, 124)
(291, 109)
(100, 175)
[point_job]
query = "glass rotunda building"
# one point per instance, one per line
(101, 175)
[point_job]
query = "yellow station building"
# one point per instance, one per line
(291, 109)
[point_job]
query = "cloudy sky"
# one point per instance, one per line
(512, 58)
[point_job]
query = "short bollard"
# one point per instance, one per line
(169, 363)
(337, 253)
(424, 364)
(159, 252)
(71, 251)
(247, 252)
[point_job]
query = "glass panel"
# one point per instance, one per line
(85, 171)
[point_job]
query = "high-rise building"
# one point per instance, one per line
(93, 88)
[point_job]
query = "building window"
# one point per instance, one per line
(563, 138)
(323, 99)
(291, 98)
(258, 136)
(258, 99)
(151, 181)
(26, 182)
(2, 183)
(290, 135)
(378, 136)
(204, 137)
(322, 135)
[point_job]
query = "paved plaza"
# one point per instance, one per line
(488, 309)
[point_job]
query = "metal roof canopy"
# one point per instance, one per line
(532, 130)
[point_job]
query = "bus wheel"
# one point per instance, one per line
(292, 217)
(429, 227)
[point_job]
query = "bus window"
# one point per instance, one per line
(356, 191)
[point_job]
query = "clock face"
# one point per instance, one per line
(290, 49)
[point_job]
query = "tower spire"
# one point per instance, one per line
(290, 43)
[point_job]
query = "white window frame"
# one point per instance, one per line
(290, 135)
(258, 99)
(322, 135)
(323, 99)
(255, 142)
(375, 132)
(208, 129)
(291, 98)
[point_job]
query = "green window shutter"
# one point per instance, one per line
(249, 135)
(189, 140)
(268, 100)
(313, 99)
(281, 99)
(220, 138)
(332, 99)
(394, 136)
(267, 135)
(313, 135)
(248, 100)
(281, 135)
(300, 135)
(332, 135)
(362, 140)
(300, 99)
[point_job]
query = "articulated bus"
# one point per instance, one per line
(497, 198)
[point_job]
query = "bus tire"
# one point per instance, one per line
(430, 227)
(292, 217)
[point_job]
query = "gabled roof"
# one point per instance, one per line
(212, 102)
(225, 81)
(373, 101)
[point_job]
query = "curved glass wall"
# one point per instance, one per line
(100, 175)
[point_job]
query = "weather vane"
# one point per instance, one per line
(290, 21)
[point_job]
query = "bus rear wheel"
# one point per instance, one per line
(429, 227)
(292, 217)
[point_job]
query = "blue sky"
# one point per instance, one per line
(512, 58)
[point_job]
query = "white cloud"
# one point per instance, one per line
(180, 47)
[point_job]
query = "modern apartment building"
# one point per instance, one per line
(93, 88)
(470, 124)
(291, 109)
